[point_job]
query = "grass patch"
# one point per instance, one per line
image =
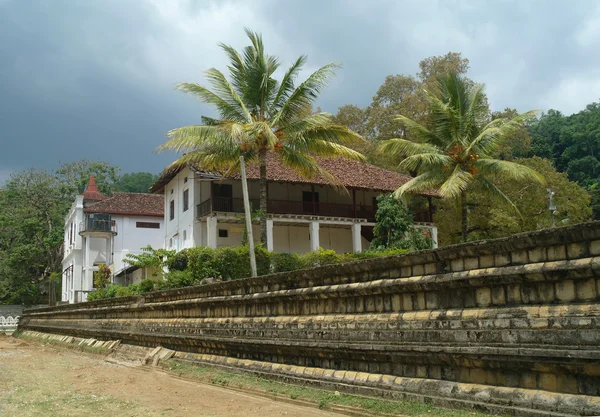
(321, 398)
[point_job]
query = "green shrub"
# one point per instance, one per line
(202, 262)
(177, 279)
(123, 291)
(147, 285)
(285, 262)
(179, 261)
(320, 257)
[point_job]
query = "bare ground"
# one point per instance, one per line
(41, 380)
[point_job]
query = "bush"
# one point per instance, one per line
(285, 262)
(179, 261)
(202, 263)
(321, 257)
(177, 279)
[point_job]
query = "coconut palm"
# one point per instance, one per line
(453, 155)
(259, 114)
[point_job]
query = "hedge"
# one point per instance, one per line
(194, 265)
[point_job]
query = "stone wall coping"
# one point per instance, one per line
(529, 240)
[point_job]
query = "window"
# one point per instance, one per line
(185, 180)
(147, 225)
(223, 200)
(172, 210)
(186, 200)
(223, 233)
(171, 242)
(310, 201)
(184, 235)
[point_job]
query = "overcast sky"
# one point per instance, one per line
(95, 79)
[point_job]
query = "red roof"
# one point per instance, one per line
(91, 192)
(134, 204)
(350, 173)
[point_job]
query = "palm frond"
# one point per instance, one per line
(227, 92)
(425, 161)
(287, 85)
(305, 94)
(456, 183)
(226, 110)
(306, 166)
(510, 170)
(403, 148)
(497, 131)
(189, 138)
(426, 181)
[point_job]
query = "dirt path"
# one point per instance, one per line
(38, 380)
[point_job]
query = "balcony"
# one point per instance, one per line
(236, 205)
(98, 223)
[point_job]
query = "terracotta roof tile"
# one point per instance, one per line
(91, 192)
(351, 174)
(130, 203)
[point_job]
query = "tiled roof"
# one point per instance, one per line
(91, 192)
(350, 173)
(135, 204)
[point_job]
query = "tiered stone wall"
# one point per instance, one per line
(515, 320)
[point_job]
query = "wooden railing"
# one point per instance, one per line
(236, 205)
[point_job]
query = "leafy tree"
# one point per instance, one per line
(488, 218)
(259, 114)
(73, 177)
(392, 222)
(157, 259)
(135, 182)
(518, 145)
(454, 156)
(31, 235)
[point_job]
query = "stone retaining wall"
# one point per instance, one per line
(520, 313)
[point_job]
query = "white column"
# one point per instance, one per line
(434, 236)
(270, 235)
(211, 232)
(314, 236)
(356, 238)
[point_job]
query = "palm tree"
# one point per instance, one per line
(453, 155)
(258, 114)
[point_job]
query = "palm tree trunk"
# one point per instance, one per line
(262, 157)
(463, 208)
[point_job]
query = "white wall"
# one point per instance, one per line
(131, 239)
(183, 222)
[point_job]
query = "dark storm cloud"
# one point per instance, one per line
(94, 79)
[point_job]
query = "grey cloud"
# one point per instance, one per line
(95, 79)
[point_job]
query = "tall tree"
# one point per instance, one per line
(31, 234)
(74, 176)
(454, 155)
(135, 182)
(259, 114)
(489, 218)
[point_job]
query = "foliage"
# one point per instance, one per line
(286, 262)
(102, 276)
(135, 182)
(157, 259)
(490, 219)
(231, 263)
(73, 178)
(454, 156)
(258, 114)
(392, 223)
(572, 144)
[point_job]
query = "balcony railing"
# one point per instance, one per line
(98, 225)
(236, 205)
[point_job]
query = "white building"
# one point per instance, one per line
(103, 230)
(205, 209)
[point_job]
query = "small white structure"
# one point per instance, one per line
(103, 230)
(206, 209)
